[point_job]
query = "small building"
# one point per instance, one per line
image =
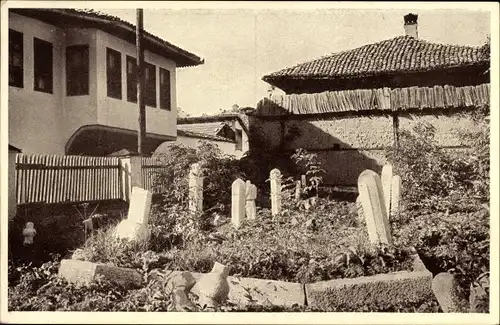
(228, 131)
(348, 107)
(73, 83)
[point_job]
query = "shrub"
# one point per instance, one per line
(219, 171)
(445, 197)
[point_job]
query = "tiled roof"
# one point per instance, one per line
(204, 128)
(187, 133)
(397, 55)
(114, 25)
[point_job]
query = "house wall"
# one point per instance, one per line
(35, 118)
(361, 139)
(121, 113)
(191, 142)
(12, 184)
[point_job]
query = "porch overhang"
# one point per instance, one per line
(102, 140)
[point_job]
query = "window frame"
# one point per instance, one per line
(41, 70)
(114, 75)
(81, 74)
(131, 79)
(165, 90)
(17, 72)
(150, 86)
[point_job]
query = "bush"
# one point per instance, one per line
(219, 171)
(445, 197)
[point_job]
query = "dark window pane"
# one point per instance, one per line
(114, 73)
(165, 97)
(150, 84)
(77, 70)
(131, 79)
(43, 65)
(16, 78)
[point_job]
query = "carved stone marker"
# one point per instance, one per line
(298, 190)
(372, 201)
(195, 189)
(238, 202)
(395, 196)
(386, 179)
(303, 181)
(213, 287)
(275, 177)
(135, 226)
(29, 233)
(251, 195)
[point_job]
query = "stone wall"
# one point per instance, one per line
(349, 144)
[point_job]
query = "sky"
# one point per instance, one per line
(240, 46)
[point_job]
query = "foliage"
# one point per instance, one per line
(219, 171)
(445, 213)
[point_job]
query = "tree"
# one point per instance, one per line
(181, 113)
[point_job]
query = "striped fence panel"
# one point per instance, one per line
(67, 179)
(151, 169)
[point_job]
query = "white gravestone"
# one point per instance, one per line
(386, 179)
(135, 226)
(29, 233)
(372, 200)
(238, 202)
(251, 195)
(298, 190)
(395, 195)
(195, 189)
(303, 181)
(275, 177)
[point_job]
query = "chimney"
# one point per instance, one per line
(411, 26)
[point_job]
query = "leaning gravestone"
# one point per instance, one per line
(195, 189)
(275, 177)
(238, 202)
(251, 195)
(135, 226)
(372, 200)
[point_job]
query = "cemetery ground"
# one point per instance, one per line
(316, 235)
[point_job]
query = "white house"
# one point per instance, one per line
(72, 83)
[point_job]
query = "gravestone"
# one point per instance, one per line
(275, 177)
(446, 290)
(303, 181)
(29, 233)
(251, 195)
(213, 288)
(238, 199)
(195, 189)
(298, 190)
(386, 179)
(372, 201)
(135, 226)
(395, 195)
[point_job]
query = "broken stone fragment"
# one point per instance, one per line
(446, 290)
(184, 281)
(213, 287)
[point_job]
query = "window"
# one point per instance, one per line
(16, 59)
(77, 70)
(150, 84)
(131, 79)
(239, 139)
(165, 89)
(43, 63)
(114, 73)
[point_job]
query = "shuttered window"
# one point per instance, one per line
(114, 73)
(77, 70)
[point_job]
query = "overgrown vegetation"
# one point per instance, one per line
(446, 200)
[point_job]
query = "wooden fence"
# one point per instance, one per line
(71, 179)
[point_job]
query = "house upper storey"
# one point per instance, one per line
(76, 69)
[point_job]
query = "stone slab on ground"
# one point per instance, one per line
(247, 291)
(381, 289)
(83, 272)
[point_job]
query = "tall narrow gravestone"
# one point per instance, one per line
(195, 189)
(386, 178)
(251, 195)
(135, 226)
(275, 177)
(374, 210)
(238, 197)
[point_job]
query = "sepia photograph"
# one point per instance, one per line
(273, 158)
